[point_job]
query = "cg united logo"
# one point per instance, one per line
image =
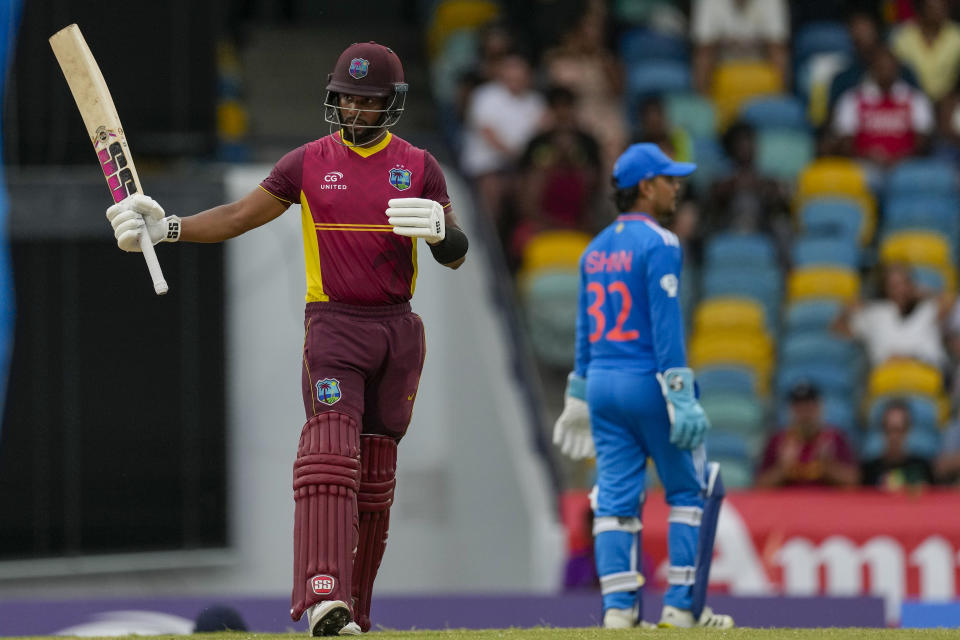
(332, 180)
(359, 68)
(400, 178)
(328, 391)
(323, 585)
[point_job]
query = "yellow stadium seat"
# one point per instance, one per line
(838, 177)
(730, 313)
(823, 282)
(916, 247)
(751, 350)
(554, 249)
(734, 83)
(452, 15)
(905, 376)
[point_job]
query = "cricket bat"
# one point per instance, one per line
(92, 96)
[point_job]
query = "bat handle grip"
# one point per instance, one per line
(146, 246)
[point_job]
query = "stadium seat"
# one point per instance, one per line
(554, 249)
(919, 211)
(827, 376)
(737, 82)
(925, 444)
(775, 112)
(921, 248)
(819, 347)
(727, 379)
(712, 162)
(841, 218)
(730, 314)
(897, 377)
(929, 279)
(765, 286)
(550, 308)
(452, 15)
(783, 153)
(640, 46)
(692, 113)
(656, 77)
(823, 282)
(736, 414)
(737, 473)
(821, 37)
(838, 177)
(745, 250)
(811, 315)
(727, 445)
(809, 251)
(922, 176)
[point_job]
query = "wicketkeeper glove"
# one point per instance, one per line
(572, 431)
(417, 218)
(138, 213)
(688, 422)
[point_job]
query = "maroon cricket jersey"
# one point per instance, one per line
(351, 252)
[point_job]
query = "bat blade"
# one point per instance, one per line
(93, 99)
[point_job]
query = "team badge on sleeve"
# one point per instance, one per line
(400, 178)
(328, 391)
(670, 284)
(359, 68)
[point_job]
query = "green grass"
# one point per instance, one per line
(594, 633)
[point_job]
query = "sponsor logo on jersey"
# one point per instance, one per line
(323, 585)
(332, 180)
(359, 68)
(400, 178)
(328, 391)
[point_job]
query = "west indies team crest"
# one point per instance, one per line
(400, 178)
(328, 391)
(359, 68)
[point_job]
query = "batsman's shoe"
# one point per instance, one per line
(351, 629)
(673, 618)
(624, 619)
(328, 618)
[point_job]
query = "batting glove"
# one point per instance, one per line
(572, 430)
(688, 422)
(417, 218)
(137, 214)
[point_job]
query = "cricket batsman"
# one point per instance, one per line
(631, 396)
(365, 197)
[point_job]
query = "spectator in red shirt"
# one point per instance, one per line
(807, 452)
(883, 119)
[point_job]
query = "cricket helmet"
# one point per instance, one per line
(372, 70)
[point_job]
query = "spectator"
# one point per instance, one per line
(560, 171)
(745, 200)
(654, 126)
(807, 452)
(946, 466)
(896, 468)
(930, 44)
(738, 29)
(502, 116)
(883, 119)
(951, 333)
(583, 64)
(901, 324)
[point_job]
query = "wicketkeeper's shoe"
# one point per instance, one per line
(328, 618)
(624, 619)
(351, 629)
(674, 618)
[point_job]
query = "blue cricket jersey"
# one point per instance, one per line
(629, 312)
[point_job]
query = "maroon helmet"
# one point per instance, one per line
(372, 70)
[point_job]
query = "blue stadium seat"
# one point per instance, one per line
(765, 286)
(929, 278)
(818, 348)
(712, 162)
(693, 113)
(733, 249)
(811, 315)
(838, 217)
(825, 251)
(922, 176)
(724, 444)
(936, 212)
(726, 379)
(783, 153)
(775, 112)
(821, 37)
(655, 77)
(830, 378)
(643, 45)
(550, 308)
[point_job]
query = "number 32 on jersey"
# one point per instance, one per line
(617, 289)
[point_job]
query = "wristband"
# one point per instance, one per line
(173, 229)
(451, 248)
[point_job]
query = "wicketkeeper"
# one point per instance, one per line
(632, 388)
(365, 197)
